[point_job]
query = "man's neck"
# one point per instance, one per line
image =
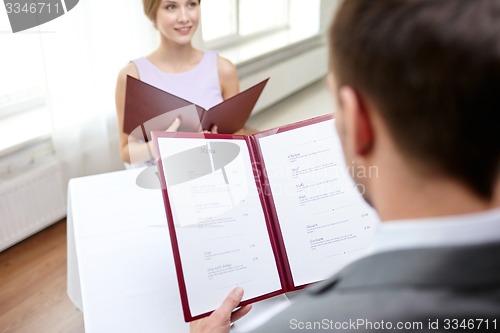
(403, 193)
(434, 197)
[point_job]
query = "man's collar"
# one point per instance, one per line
(468, 229)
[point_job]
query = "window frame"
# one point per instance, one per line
(236, 37)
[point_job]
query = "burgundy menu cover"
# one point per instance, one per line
(268, 212)
(155, 109)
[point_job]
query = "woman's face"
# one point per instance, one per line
(177, 20)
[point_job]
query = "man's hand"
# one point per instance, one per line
(220, 320)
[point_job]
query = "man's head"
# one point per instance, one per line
(431, 70)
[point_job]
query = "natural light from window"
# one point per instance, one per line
(241, 29)
(260, 27)
(230, 22)
(219, 19)
(23, 107)
(262, 15)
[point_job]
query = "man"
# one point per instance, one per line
(418, 88)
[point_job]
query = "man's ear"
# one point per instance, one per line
(357, 121)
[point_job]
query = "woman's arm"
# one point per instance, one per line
(121, 84)
(228, 78)
(131, 150)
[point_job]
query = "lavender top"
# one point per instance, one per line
(199, 85)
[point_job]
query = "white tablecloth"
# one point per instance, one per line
(120, 265)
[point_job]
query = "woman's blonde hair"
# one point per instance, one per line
(151, 7)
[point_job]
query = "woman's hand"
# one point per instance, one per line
(213, 130)
(220, 320)
(174, 126)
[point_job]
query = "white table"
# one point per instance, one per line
(120, 266)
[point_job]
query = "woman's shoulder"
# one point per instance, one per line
(222, 63)
(226, 67)
(228, 77)
(129, 69)
(121, 81)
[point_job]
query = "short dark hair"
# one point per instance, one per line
(432, 68)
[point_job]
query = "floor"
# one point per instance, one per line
(33, 286)
(33, 273)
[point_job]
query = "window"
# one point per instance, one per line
(219, 19)
(227, 21)
(272, 15)
(23, 104)
(246, 30)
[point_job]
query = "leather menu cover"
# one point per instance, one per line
(146, 104)
(232, 114)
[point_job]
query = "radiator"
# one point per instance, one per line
(30, 202)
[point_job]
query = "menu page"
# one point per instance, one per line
(219, 221)
(325, 223)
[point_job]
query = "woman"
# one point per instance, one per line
(175, 66)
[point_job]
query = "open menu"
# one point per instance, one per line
(149, 108)
(271, 212)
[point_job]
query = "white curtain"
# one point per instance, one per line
(83, 51)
